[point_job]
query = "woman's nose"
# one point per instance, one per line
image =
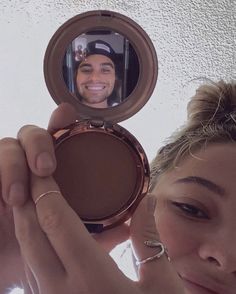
(219, 250)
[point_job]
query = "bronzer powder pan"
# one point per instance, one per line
(102, 170)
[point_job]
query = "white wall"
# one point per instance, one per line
(192, 38)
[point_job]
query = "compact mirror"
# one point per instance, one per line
(105, 65)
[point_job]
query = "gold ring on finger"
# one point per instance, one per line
(45, 194)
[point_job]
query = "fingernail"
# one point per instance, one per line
(151, 203)
(16, 194)
(44, 161)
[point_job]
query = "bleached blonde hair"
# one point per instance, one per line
(211, 118)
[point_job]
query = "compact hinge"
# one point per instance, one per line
(97, 123)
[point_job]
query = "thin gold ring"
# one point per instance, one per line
(46, 194)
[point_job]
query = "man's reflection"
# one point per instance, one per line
(96, 75)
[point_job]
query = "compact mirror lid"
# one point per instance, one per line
(100, 22)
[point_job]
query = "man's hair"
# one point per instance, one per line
(211, 118)
(101, 47)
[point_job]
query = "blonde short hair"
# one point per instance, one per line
(211, 118)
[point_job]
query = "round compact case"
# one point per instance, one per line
(102, 170)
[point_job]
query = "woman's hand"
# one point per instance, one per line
(32, 150)
(62, 257)
(29, 152)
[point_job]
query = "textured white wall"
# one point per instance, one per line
(192, 38)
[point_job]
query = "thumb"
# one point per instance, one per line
(64, 115)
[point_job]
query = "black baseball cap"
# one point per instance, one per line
(101, 47)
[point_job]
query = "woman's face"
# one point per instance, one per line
(196, 219)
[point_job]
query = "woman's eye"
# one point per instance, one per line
(191, 210)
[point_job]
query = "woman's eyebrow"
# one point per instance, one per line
(203, 182)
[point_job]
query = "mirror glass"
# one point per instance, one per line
(100, 68)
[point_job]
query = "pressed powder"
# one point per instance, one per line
(97, 173)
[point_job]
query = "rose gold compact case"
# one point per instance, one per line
(105, 65)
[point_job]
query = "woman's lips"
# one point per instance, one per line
(194, 288)
(204, 282)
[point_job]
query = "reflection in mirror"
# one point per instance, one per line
(101, 68)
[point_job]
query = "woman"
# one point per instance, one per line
(193, 182)
(193, 178)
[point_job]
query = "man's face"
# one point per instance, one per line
(95, 80)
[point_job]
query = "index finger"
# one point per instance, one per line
(60, 223)
(38, 143)
(83, 258)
